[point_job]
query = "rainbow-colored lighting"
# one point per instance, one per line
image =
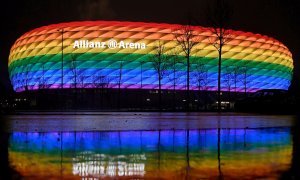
(245, 154)
(46, 58)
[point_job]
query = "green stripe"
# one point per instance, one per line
(132, 61)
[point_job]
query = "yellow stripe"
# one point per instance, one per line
(201, 49)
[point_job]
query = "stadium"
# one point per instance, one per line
(119, 55)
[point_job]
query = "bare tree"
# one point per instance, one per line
(219, 16)
(21, 79)
(186, 39)
(43, 84)
(74, 76)
(100, 81)
(142, 63)
(228, 78)
(236, 73)
(81, 79)
(160, 64)
(205, 86)
(41, 80)
(141, 88)
(120, 81)
(200, 75)
(173, 76)
(199, 69)
(74, 70)
(244, 78)
(80, 82)
(27, 78)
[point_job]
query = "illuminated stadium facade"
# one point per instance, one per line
(95, 54)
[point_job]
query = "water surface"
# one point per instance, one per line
(180, 147)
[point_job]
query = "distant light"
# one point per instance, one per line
(196, 100)
(148, 99)
(184, 100)
(223, 102)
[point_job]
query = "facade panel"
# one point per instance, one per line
(93, 54)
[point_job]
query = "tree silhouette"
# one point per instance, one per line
(100, 81)
(218, 17)
(141, 87)
(160, 64)
(229, 79)
(22, 79)
(43, 82)
(205, 86)
(244, 78)
(27, 78)
(81, 79)
(120, 74)
(174, 62)
(74, 71)
(200, 76)
(236, 72)
(186, 39)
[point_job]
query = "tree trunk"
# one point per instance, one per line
(141, 90)
(235, 87)
(229, 93)
(159, 92)
(205, 99)
(219, 78)
(174, 88)
(188, 84)
(119, 85)
(174, 99)
(199, 93)
(245, 89)
(119, 96)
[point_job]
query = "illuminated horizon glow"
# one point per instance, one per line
(35, 58)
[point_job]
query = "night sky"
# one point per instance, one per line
(279, 19)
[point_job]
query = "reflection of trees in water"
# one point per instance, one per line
(211, 153)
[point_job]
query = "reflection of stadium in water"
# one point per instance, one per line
(171, 154)
(102, 165)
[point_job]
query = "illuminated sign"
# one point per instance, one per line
(111, 44)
